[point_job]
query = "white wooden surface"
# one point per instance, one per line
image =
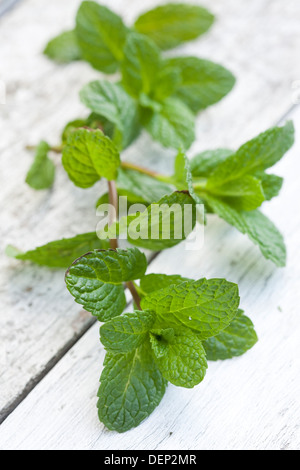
(251, 402)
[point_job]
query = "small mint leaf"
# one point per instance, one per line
(181, 358)
(42, 172)
(64, 48)
(127, 332)
(88, 156)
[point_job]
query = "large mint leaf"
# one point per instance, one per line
(140, 188)
(203, 164)
(141, 65)
(131, 388)
(42, 171)
(258, 227)
(172, 24)
(88, 156)
(245, 193)
(127, 332)
(113, 103)
(256, 155)
(181, 358)
(101, 35)
(206, 306)
(173, 126)
(95, 280)
(61, 253)
(64, 48)
(153, 282)
(162, 225)
(234, 341)
(203, 83)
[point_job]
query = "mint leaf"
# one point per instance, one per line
(258, 227)
(162, 225)
(140, 66)
(131, 388)
(271, 185)
(203, 164)
(173, 126)
(153, 282)
(168, 81)
(172, 24)
(203, 83)
(42, 172)
(113, 103)
(206, 306)
(184, 181)
(88, 156)
(234, 341)
(123, 334)
(63, 48)
(140, 188)
(159, 340)
(101, 35)
(95, 280)
(181, 359)
(61, 253)
(70, 127)
(245, 193)
(256, 155)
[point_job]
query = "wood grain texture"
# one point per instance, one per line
(259, 42)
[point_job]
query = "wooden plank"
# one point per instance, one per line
(246, 403)
(259, 41)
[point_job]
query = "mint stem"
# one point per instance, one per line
(57, 149)
(146, 171)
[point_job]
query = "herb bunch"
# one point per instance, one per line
(177, 324)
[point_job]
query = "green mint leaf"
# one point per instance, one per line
(140, 66)
(88, 156)
(184, 181)
(95, 280)
(153, 282)
(168, 81)
(140, 188)
(173, 24)
(70, 127)
(162, 225)
(234, 341)
(206, 306)
(63, 48)
(173, 126)
(42, 172)
(131, 388)
(203, 83)
(101, 35)
(159, 340)
(113, 103)
(256, 155)
(258, 227)
(126, 333)
(181, 358)
(271, 184)
(61, 253)
(203, 164)
(245, 193)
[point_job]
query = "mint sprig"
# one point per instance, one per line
(167, 340)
